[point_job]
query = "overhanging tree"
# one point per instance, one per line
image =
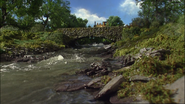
(54, 13)
(13, 10)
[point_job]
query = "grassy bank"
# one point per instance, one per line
(15, 40)
(169, 37)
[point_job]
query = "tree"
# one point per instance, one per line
(81, 22)
(138, 22)
(55, 13)
(76, 22)
(115, 21)
(160, 10)
(13, 10)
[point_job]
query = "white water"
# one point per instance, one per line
(23, 83)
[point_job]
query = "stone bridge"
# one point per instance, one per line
(111, 33)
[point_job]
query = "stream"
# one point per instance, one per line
(33, 83)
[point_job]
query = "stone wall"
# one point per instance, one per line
(112, 33)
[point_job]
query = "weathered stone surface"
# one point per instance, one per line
(145, 49)
(148, 52)
(94, 84)
(128, 100)
(96, 69)
(128, 60)
(70, 86)
(94, 81)
(178, 88)
(141, 78)
(113, 33)
(110, 87)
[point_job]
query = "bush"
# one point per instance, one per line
(37, 28)
(155, 24)
(28, 35)
(128, 33)
(58, 38)
(8, 28)
(10, 35)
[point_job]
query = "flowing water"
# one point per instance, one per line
(33, 83)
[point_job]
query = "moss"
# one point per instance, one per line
(169, 36)
(105, 79)
(153, 91)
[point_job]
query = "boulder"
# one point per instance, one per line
(148, 52)
(67, 86)
(96, 69)
(178, 88)
(94, 84)
(128, 60)
(145, 49)
(110, 87)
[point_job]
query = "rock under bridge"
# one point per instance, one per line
(111, 33)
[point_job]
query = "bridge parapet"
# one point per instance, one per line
(112, 33)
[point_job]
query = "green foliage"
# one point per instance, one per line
(24, 10)
(37, 28)
(139, 22)
(181, 20)
(163, 11)
(155, 24)
(58, 38)
(169, 36)
(128, 33)
(34, 44)
(115, 21)
(76, 22)
(26, 23)
(56, 13)
(8, 28)
(10, 35)
(149, 65)
(105, 79)
(152, 91)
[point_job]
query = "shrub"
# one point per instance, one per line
(8, 28)
(10, 35)
(58, 38)
(37, 28)
(128, 33)
(155, 24)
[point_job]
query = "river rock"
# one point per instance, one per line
(128, 100)
(145, 49)
(128, 60)
(148, 52)
(107, 46)
(67, 86)
(110, 87)
(96, 69)
(141, 78)
(94, 84)
(178, 88)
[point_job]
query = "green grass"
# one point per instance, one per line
(170, 37)
(19, 39)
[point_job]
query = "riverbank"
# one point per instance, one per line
(146, 66)
(151, 64)
(131, 84)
